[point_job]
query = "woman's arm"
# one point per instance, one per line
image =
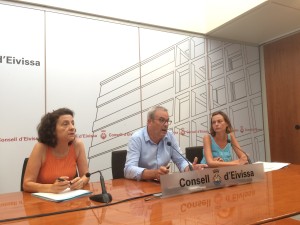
(82, 165)
(236, 147)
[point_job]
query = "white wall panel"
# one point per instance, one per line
(21, 89)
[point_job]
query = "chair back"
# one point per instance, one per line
(23, 172)
(192, 152)
(118, 159)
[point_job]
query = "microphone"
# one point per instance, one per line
(104, 197)
(190, 166)
(229, 142)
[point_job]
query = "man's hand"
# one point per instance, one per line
(161, 171)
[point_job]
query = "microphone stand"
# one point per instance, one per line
(249, 161)
(104, 197)
(190, 166)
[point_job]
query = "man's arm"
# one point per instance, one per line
(154, 174)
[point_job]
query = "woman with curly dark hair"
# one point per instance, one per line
(216, 145)
(56, 157)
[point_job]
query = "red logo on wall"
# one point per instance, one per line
(103, 134)
(182, 132)
(242, 129)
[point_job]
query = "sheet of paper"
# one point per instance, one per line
(270, 166)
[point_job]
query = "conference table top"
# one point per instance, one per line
(275, 198)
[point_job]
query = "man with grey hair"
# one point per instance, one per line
(149, 151)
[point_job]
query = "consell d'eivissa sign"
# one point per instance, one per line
(210, 178)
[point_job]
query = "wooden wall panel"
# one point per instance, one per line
(282, 72)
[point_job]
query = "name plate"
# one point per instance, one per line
(210, 178)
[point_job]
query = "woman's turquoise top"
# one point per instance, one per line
(225, 153)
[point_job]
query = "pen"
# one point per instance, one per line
(157, 195)
(61, 179)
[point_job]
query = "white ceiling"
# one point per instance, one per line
(264, 23)
(251, 21)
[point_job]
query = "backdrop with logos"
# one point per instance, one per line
(111, 74)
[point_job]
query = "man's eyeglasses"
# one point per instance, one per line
(163, 121)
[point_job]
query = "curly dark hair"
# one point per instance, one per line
(229, 128)
(47, 127)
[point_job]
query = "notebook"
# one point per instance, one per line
(62, 196)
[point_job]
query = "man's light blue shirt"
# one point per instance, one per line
(142, 153)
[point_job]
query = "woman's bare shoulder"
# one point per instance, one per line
(39, 150)
(40, 147)
(206, 136)
(232, 136)
(78, 146)
(78, 143)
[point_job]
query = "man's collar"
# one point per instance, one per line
(147, 137)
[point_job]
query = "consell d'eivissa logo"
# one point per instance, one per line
(18, 61)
